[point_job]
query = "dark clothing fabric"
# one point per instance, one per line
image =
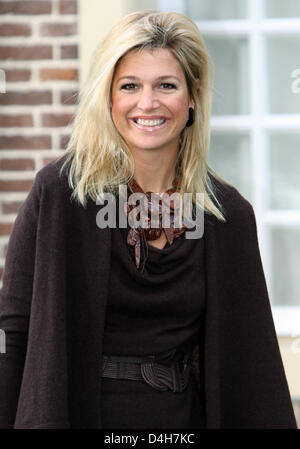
(130, 404)
(164, 307)
(53, 306)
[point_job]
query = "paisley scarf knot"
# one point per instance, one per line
(138, 237)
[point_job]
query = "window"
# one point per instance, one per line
(255, 145)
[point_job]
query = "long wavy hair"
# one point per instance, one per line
(97, 158)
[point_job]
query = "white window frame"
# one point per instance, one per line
(258, 123)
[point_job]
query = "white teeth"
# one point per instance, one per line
(149, 122)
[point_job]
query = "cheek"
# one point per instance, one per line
(180, 109)
(121, 106)
(181, 104)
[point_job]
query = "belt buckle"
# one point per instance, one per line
(163, 375)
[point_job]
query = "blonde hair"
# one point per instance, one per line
(97, 157)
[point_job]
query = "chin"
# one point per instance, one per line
(149, 145)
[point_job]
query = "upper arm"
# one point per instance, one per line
(15, 300)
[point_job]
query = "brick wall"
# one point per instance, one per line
(38, 60)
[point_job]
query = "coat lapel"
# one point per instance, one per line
(88, 274)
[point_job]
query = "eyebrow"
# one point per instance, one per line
(132, 77)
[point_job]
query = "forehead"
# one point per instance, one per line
(157, 62)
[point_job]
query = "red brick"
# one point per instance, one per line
(17, 75)
(15, 29)
(17, 164)
(11, 207)
(24, 52)
(26, 7)
(26, 97)
(68, 6)
(25, 142)
(63, 141)
(16, 185)
(68, 96)
(58, 74)
(16, 120)
(69, 51)
(56, 119)
(5, 228)
(58, 29)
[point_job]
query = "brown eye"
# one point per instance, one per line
(168, 86)
(128, 86)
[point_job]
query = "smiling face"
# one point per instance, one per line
(150, 100)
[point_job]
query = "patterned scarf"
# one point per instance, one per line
(138, 237)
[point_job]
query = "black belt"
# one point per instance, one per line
(168, 371)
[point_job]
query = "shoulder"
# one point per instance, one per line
(235, 206)
(50, 190)
(50, 178)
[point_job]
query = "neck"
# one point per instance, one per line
(155, 172)
(158, 184)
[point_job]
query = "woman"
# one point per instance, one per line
(132, 327)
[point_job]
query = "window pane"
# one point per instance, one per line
(231, 82)
(230, 158)
(285, 266)
(280, 8)
(216, 9)
(282, 58)
(284, 162)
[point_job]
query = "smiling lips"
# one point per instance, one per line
(149, 124)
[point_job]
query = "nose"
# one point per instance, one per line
(148, 100)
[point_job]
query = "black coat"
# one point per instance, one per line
(52, 309)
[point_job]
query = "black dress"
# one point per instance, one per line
(148, 313)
